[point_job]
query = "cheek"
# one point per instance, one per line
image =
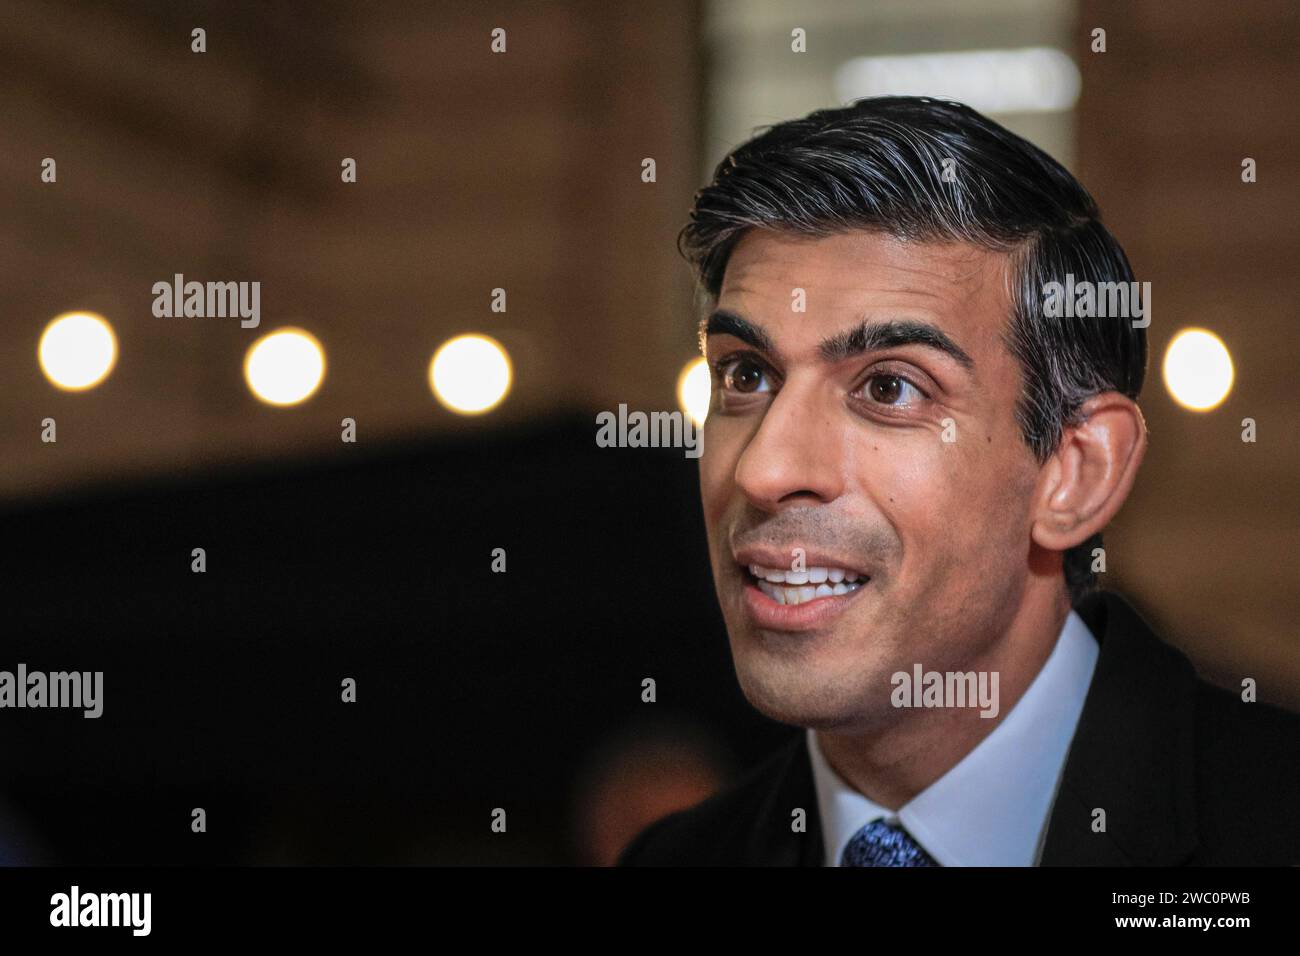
(914, 496)
(717, 470)
(954, 506)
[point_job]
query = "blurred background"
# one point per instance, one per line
(520, 171)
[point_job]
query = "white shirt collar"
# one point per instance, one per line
(991, 808)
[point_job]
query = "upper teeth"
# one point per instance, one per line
(829, 582)
(807, 576)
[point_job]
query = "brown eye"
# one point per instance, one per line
(885, 388)
(888, 389)
(743, 375)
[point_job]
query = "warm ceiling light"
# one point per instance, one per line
(694, 385)
(285, 367)
(1027, 80)
(470, 374)
(77, 350)
(1198, 369)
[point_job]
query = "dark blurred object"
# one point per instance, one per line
(639, 776)
(475, 690)
(20, 845)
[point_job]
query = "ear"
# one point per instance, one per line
(1087, 479)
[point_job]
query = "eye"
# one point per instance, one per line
(743, 375)
(887, 389)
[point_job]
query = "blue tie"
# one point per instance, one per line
(884, 844)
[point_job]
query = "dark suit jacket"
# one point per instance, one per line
(1187, 773)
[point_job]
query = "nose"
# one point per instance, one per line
(795, 456)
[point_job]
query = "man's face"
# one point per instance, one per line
(889, 453)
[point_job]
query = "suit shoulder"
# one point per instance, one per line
(714, 831)
(1250, 737)
(1248, 779)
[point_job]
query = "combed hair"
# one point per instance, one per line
(878, 164)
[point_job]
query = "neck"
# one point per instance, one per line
(892, 764)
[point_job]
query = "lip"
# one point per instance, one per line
(777, 558)
(807, 616)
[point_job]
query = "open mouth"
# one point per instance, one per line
(800, 587)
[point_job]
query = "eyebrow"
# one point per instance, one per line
(867, 337)
(870, 336)
(723, 322)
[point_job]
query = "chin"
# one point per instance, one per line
(799, 695)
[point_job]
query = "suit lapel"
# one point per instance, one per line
(1133, 751)
(772, 842)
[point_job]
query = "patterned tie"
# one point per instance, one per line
(884, 844)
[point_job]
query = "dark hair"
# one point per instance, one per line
(879, 164)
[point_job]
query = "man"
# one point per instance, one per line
(908, 463)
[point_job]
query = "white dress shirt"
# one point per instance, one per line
(992, 807)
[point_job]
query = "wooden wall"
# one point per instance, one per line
(476, 170)
(1185, 91)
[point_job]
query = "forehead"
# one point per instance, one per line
(852, 276)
